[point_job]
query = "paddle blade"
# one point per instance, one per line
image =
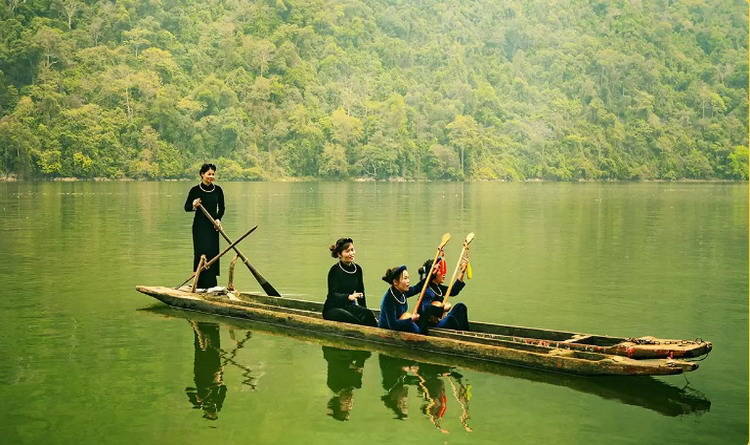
(469, 238)
(270, 290)
(444, 240)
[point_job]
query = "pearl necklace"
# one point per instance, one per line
(352, 272)
(440, 294)
(390, 289)
(200, 185)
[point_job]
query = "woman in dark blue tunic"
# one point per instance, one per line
(393, 313)
(205, 235)
(432, 308)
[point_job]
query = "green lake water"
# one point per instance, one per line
(87, 359)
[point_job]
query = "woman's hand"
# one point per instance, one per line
(414, 316)
(196, 202)
(462, 268)
(218, 225)
(355, 295)
(447, 306)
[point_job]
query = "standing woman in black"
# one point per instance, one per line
(205, 235)
(346, 290)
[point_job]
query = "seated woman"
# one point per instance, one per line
(346, 290)
(432, 309)
(393, 313)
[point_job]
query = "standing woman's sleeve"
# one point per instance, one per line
(189, 201)
(221, 204)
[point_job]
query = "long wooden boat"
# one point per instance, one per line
(486, 341)
(490, 333)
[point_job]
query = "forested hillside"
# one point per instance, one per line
(471, 89)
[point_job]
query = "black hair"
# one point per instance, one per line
(425, 269)
(207, 167)
(394, 273)
(339, 246)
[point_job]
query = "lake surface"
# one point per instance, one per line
(85, 358)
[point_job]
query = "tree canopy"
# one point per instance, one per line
(478, 89)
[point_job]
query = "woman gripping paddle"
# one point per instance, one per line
(205, 235)
(346, 289)
(431, 309)
(393, 313)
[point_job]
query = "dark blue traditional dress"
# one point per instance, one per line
(395, 383)
(205, 236)
(429, 316)
(343, 280)
(394, 306)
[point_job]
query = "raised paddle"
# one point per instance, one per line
(216, 258)
(464, 249)
(443, 241)
(270, 291)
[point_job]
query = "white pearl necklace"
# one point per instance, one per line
(342, 268)
(200, 185)
(437, 292)
(390, 289)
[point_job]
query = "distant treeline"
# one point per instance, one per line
(435, 89)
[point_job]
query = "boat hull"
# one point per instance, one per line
(297, 314)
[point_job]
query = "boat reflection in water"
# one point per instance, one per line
(345, 367)
(432, 377)
(208, 368)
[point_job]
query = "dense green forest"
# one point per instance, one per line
(434, 89)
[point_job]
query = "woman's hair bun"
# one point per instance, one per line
(393, 274)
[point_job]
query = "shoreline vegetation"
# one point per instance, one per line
(271, 90)
(14, 179)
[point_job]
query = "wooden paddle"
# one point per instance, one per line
(443, 241)
(464, 249)
(270, 291)
(216, 258)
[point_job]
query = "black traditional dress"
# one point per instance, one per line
(344, 280)
(205, 236)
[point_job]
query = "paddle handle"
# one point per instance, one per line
(261, 280)
(427, 280)
(455, 273)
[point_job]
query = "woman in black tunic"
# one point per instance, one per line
(346, 290)
(205, 235)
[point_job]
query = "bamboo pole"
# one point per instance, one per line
(197, 274)
(230, 283)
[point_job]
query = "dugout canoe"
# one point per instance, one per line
(302, 314)
(497, 334)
